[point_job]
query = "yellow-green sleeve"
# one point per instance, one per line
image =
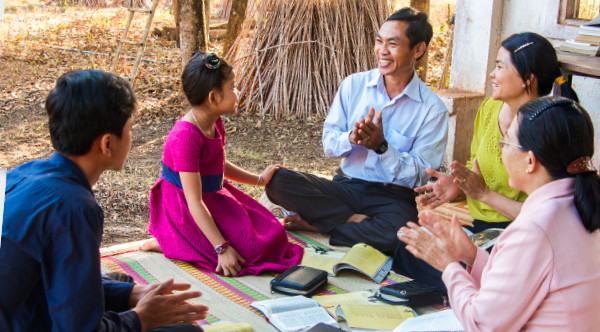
(485, 148)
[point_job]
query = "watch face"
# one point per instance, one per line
(220, 250)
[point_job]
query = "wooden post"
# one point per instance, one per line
(193, 35)
(237, 15)
(422, 6)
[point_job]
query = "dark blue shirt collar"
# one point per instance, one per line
(66, 163)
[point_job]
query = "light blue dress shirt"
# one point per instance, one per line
(415, 124)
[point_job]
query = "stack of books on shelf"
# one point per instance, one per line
(587, 41)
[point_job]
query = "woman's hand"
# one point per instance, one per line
(229, 263)
(442, 191)
(460, 242)
(267, 174)
(470, 182)
(442, 245)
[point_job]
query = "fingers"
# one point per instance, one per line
(378, 120)
(164, 287)
(476, 166)
(180, 286)
(184, 296)
(424, 188)
(370, 115)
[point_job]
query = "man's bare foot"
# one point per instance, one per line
(357, 218)
(150, 245)
(295, 223)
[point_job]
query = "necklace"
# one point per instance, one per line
(197, 123)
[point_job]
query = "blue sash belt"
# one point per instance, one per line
(210, 183)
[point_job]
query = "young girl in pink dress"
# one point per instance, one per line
(196, 215)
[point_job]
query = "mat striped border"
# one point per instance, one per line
(118, 263)
(229, 287)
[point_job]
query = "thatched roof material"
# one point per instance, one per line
(291, 57)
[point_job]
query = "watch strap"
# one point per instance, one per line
(221, 247)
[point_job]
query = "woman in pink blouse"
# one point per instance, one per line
(544, 271)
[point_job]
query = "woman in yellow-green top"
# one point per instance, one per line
(526, 68)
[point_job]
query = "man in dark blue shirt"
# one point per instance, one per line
(50, 275)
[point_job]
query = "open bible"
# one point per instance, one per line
(296, 313)
(361, 257)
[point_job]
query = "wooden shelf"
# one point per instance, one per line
(579, 64)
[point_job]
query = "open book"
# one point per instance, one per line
(296, 313)
(365, 317)
(444, 320)
(361, 257)
(485, 238)
(228, 327)
(366, 297)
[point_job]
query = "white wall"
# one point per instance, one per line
(542, 17)
(476, 41)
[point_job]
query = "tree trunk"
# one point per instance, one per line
(193, 35)
(422, 6)
(237, 15)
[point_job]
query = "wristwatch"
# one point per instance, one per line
(221, 247)
(382, 148)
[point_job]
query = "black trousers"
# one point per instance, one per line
(328, 204)
(408, 265)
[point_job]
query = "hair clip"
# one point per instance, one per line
(581, 165)
(212, 61)
(522, 47)
(557, 102)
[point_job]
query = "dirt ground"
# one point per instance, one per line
(36, 46)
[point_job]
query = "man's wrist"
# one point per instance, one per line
(382, 148)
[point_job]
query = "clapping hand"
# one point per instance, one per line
(159, 306)
(368, 133)
(437, 193)
(443, 244)
(471, 182)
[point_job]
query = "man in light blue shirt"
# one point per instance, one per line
(383, 154)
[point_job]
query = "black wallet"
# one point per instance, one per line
(299, 280)
(412, 294)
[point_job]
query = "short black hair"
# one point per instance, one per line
(533, 54)
(558, 131)
(85, 104)
(199, 77)
(418, 30)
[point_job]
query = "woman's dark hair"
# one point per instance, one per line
(85, 104)
(202, 74)
(533, 54)
(558, 131)
(418, 30)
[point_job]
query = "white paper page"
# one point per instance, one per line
(270, 307)
(438, 321)
(2, 190)
(303, 319)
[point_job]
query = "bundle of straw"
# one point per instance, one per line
(291, 57)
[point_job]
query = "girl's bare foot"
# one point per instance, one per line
(150, 245)
(357, 218)
(295, 223)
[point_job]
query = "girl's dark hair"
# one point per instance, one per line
(85, 104)
(202, 74)
(418, 30)
(558, 131)
(533, 54)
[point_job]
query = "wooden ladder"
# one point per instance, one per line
(140, 44)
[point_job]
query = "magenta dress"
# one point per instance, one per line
(249, 227)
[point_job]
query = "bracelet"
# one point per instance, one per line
(259, 182)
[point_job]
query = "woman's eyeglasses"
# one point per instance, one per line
(502, 142)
